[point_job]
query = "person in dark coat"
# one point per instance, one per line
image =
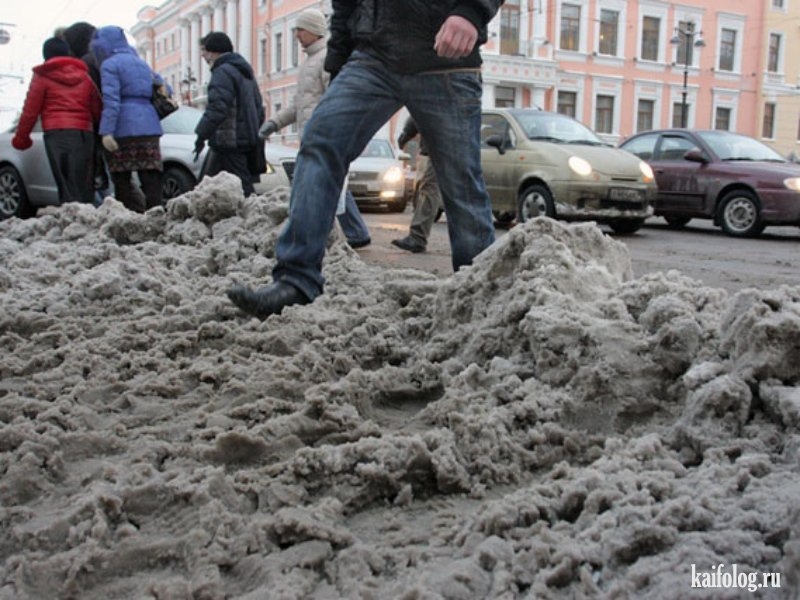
(63, 95)
(78, 37)
(130, 127)
(383, 55)
(233, 116)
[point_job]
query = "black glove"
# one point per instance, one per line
(403, 140)
(199, 144)
(267, 129)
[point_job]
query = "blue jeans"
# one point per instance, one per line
(361, 99)
(351, 221)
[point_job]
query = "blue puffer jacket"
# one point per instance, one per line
(127, 84)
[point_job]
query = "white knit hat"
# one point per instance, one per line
(312, 21)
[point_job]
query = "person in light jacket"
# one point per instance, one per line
(312, 81)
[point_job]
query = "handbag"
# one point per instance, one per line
(163, 104)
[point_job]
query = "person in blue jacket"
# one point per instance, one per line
(129, 126)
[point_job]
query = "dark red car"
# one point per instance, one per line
(740, 183)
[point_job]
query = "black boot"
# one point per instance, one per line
(266, 301)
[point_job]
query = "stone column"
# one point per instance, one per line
(230, 21)
(194, 45)
(219, 16)
(205, 29)
(245, 46)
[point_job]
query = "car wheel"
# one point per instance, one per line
(676, 222)
(535, 200)
(740, 214)
(625, 226)
(13, 197)
(176, 181)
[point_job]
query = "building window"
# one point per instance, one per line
(570, 27)
(777, 3)
(295, 52)
(677, 114)
(727, 50)
(768, 127)
(504, 97)
(278, 51)
(509, 28)
(644, 115)
(685, 52)
(722, 118)
(774, 56)
(604, 114)
(609, 26)
(567, 103)
(650, 35)
(262, 49)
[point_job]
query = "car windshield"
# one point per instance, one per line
(540, 125)
(731, 146)
(378, 149)
(182, 121)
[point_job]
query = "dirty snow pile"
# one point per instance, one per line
(539, 425)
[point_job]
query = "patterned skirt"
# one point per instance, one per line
(140, 153)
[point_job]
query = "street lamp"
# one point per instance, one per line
(686, 35)
(188, 84)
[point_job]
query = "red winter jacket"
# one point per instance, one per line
(62, 92)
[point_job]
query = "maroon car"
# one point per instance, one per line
(740, 183)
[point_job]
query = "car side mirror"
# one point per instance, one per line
(496, 141)
(695, 155)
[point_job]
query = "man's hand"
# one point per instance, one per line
(456, 38)
(110, 144)
(199, 144)
(267, 129)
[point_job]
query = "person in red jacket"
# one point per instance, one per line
(69, 104)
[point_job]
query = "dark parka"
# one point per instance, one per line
(401, 33)
(235, 109)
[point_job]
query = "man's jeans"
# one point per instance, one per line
(361, 99)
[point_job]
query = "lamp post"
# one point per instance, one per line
(188, 84)
(686, 35)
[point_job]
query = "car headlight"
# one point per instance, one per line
(793, 183)
(580, 166)
(647, 172)
(393, 175)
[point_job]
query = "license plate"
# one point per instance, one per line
(357, 188)
(625, 194)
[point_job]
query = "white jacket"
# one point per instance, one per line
(312, 81)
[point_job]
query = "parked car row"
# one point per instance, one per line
(534, 163)
(26, 182)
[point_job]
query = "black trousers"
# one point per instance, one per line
(70, 153)
(236, 163)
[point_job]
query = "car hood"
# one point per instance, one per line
(373, 164)
(607, 160)
(786, 169)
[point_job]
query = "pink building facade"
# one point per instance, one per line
(620, 66)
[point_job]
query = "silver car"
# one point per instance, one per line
(26, 181)
(377, 178)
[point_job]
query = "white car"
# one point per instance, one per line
(26, 181)
(377, 177)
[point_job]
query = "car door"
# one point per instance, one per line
(679, 191)
(499, 171)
